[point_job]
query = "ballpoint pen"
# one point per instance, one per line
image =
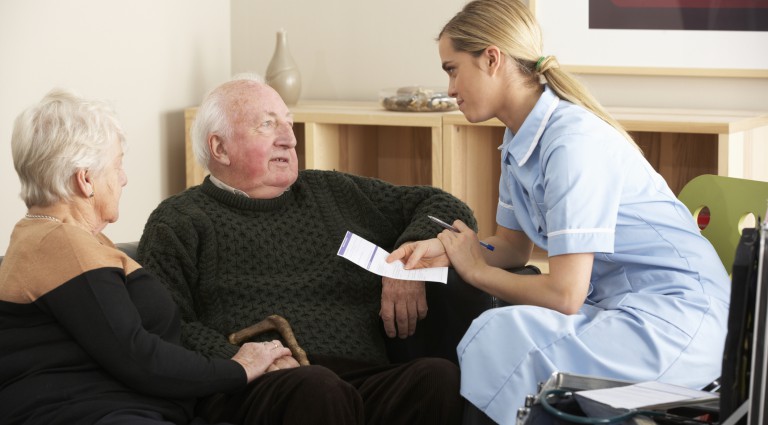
(453, 229)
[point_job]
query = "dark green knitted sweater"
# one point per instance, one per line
(230, 261)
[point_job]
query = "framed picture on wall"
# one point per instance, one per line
(657, 37)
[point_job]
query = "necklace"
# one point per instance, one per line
(43, 216)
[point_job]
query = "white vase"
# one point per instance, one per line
(282, 73)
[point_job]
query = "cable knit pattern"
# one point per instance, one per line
(230, 261)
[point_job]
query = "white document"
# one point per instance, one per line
(373, 258)
(645, 395)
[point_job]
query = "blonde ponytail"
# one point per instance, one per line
(569, 88)
(509, 25)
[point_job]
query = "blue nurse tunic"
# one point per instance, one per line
(657, 305)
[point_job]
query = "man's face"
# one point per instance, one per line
(262, 152)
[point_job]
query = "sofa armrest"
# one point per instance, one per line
(130, 248)
(452, 308)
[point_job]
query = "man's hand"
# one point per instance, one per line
(403, 303)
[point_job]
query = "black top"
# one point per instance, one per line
(84, 331)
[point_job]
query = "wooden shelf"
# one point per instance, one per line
(446, 151)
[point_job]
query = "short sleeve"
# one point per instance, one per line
(583, 181)
(505, 210)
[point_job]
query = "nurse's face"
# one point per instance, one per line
(469, 82)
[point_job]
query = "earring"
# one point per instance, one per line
(91, 195)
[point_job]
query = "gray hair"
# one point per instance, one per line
(56, 137)
(212, 117)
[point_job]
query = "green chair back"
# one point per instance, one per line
(732, 204)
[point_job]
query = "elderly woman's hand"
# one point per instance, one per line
(285, 362)
(258, 357)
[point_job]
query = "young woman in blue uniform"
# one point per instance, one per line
(633, 292)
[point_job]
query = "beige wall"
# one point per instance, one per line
(749, 94)
(349, 49)
(154, 58)
(150, 58)
(345, 49)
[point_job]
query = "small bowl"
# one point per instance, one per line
(417, 99)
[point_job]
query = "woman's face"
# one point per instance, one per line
(108, 186)
(468, 81)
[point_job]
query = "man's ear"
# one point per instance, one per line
(218, 149)
(84, 182)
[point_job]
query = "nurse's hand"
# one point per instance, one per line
(421, 254)
(463, 249)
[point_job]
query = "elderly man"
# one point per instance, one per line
(258, 237)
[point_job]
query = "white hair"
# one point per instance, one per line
(53, 139)
(212, 118)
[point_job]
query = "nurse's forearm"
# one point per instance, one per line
(513, 288)
(564, 289)
(506, 255)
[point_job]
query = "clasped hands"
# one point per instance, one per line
(258, 358)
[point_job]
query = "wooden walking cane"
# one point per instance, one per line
(273, 323)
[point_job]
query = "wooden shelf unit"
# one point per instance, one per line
(446, 151)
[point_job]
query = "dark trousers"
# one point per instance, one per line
(423, 391)
(140, 417)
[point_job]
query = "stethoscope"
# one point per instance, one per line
(555, 395)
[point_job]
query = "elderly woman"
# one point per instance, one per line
(86, 335)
